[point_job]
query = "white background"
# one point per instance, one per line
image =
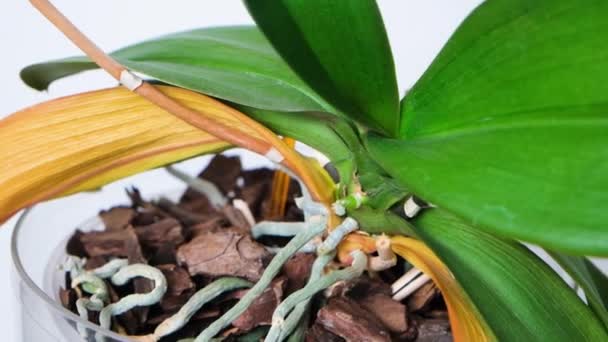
(417, 30)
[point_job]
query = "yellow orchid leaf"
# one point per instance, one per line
(465, 320)
(87, 140)
(321, 178)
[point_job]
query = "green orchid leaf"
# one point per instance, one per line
(381, 221)
(519, 296)
(539, 180)
(593, 281)
(316, 130)
(232, 63)
(40, 76)
(339, 142)
(508, 127)
(511, 59)
(382, 191)
(341, 50)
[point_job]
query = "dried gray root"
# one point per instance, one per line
(200, 298)
(347, 226)
(290, 323)
(95, 286)
(355, 270)
(204, 187)
(288, 314)
(316, 220)
(266, 228)
(92, 283)
(124, 275)
(317, 225)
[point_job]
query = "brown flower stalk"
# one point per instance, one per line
(270, 143)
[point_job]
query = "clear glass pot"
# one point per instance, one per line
(38, 249)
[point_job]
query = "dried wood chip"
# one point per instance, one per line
(223, 252)
(358, 288)
(222, 171)
(146, 212)
(317, 333)
(297, 270)
(213, 222)
(166, 231)
(105, 243)
(345, 318)
(117, 218)
(178, 280)
(172, 304)
(260, 312)
(365, 286)
(437, 314)
(75, 246)
(292, 212)
(184, 216)
(68, 298)
(94, 262)
(410, 335)
(434, 330)
(128, 319)
(421, 299)
(199, 205)
(165, 254)
(141, 285)
(255, 176)
(391, 313)
(253, 195)
(256, 189)
(236, 219)
(202, 314)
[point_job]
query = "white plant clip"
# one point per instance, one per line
(130, 81)
(411, 281)
(411, 208)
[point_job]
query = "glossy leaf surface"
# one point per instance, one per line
(519, 296)
(507, 128)
(341, 50)
(511, 59)
(232, 63)
(540, 181)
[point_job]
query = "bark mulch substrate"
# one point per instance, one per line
(193, 244)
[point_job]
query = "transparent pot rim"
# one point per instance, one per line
(53, 305)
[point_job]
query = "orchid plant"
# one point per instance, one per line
(501, 142)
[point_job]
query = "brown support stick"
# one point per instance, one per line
(292, 159)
